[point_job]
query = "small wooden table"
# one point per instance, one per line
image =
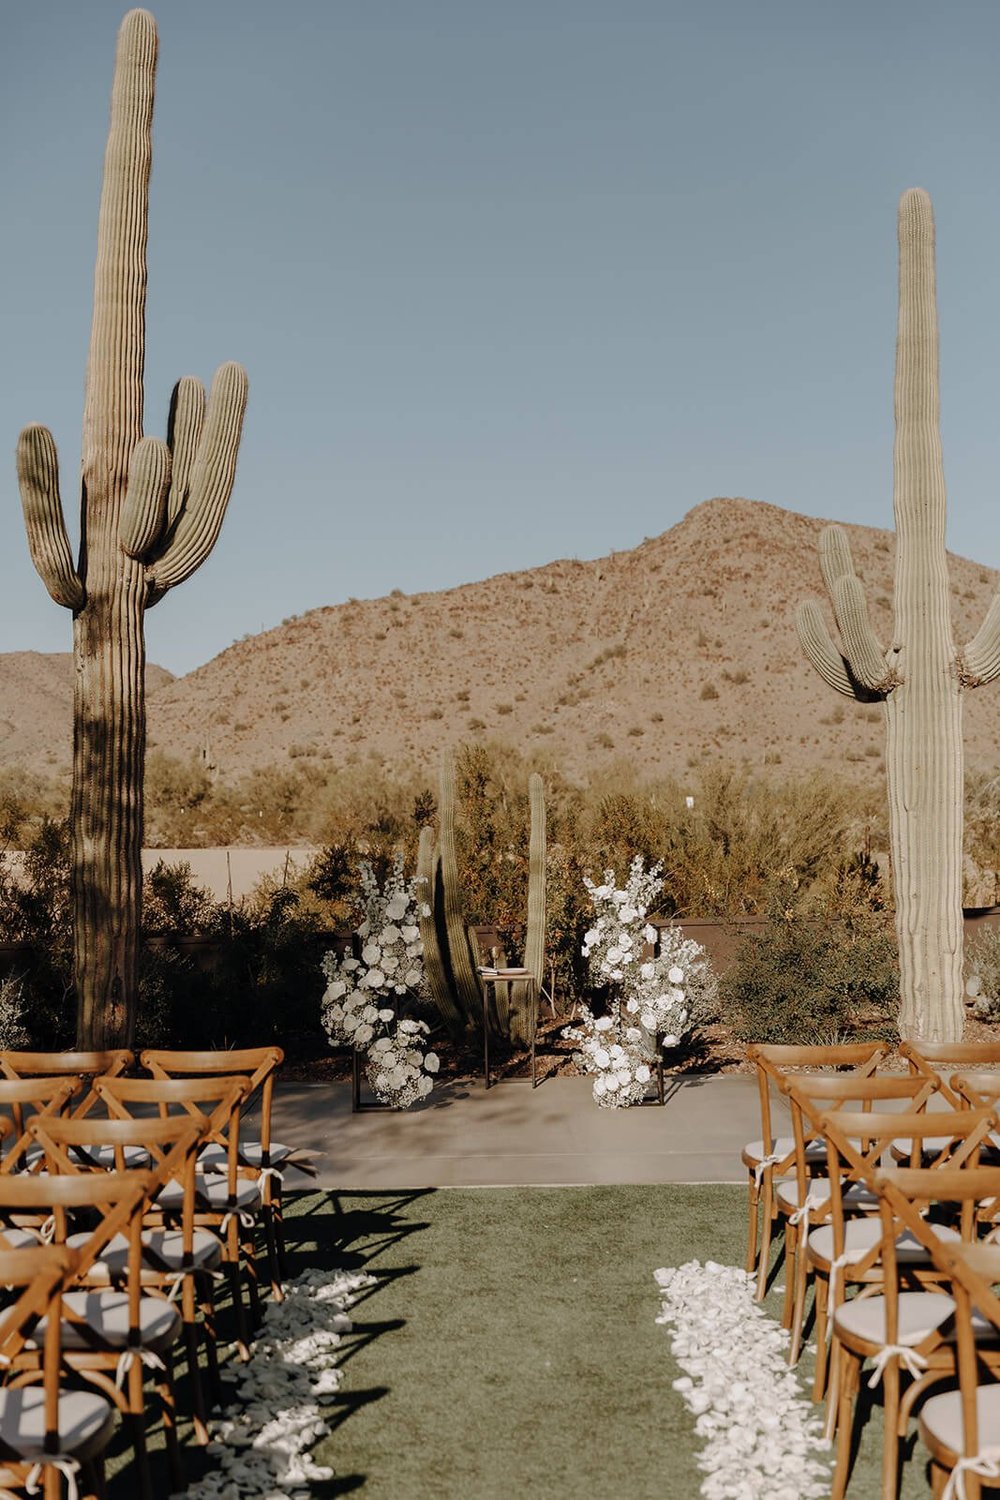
(494, 977)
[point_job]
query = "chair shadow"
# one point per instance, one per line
(323, 1231)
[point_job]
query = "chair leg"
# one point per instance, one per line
(890, 1429)
(248, 1254)
(801, 1282)
(753, 1202)
(207, 1309)
(136, 1422)
(199, 1413)
(273, 1260)
(168, 1411)
(791, 1271)
(849, 1380)
(766, 1224)
(822, 1297)
(239, 1310)
(837, 1357)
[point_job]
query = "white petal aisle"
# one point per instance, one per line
(265, 1436)
(761, 1435)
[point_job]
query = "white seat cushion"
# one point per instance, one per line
(213, 1157)
(753, 1151)
(136, 1158)
(863, 1318)
(855, 1195)
(165, 1247)
(106, 1313)
(941, 1418)
(86, 1421)
(861, 1234)
(213, 1193)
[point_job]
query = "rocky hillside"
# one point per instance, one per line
(682, 648)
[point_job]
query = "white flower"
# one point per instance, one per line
(603, 1023)
(371, 953)
(374, 979)
(390, 935)
(642, 1073)
(396, 908)
(432, 1062)
(410, 933)
(602, 1057)
(386, 1015)
(675, 975)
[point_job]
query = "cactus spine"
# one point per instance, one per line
(151, 512)
(920, 678)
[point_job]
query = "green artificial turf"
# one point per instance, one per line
(510, 1346)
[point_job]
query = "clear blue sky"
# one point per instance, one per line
(512, 281)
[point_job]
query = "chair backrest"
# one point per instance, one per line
(84, 1066)
(25, 1098)
(213, 1103)
(976, 1088)
(811, 1096)
(942, 1057)
(172, 1145)
(971, 1268)
(258, 1065)
(857, 1141)
(40, 1275)
(118, 1196)
(774, 1063)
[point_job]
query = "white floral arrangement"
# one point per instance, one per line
(649, 1006)
(361, 1006)
(762, 1437)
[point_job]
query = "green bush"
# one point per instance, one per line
(813, 978)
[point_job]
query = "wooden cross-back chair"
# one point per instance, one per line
(228, 1201)
(772, 1156)
(48, 1433)
(174, 1260)
(270, 1159)
(942, 1058)
(901, 1306)
(804, 1199)
(108, 1336)
(960, 1428)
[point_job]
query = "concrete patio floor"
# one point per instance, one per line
(512, 1135)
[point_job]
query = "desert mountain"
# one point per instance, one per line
(680, 649)
(36, 708)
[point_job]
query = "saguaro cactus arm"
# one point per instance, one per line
(979, 661)
(175, 531)
(818, 645)
(145, 507)
(44, 522)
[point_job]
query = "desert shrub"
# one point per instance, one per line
(813, 977)
(35, 913)
(982, 962)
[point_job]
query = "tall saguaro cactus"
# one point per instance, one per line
(920, 678)
(150, 514)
